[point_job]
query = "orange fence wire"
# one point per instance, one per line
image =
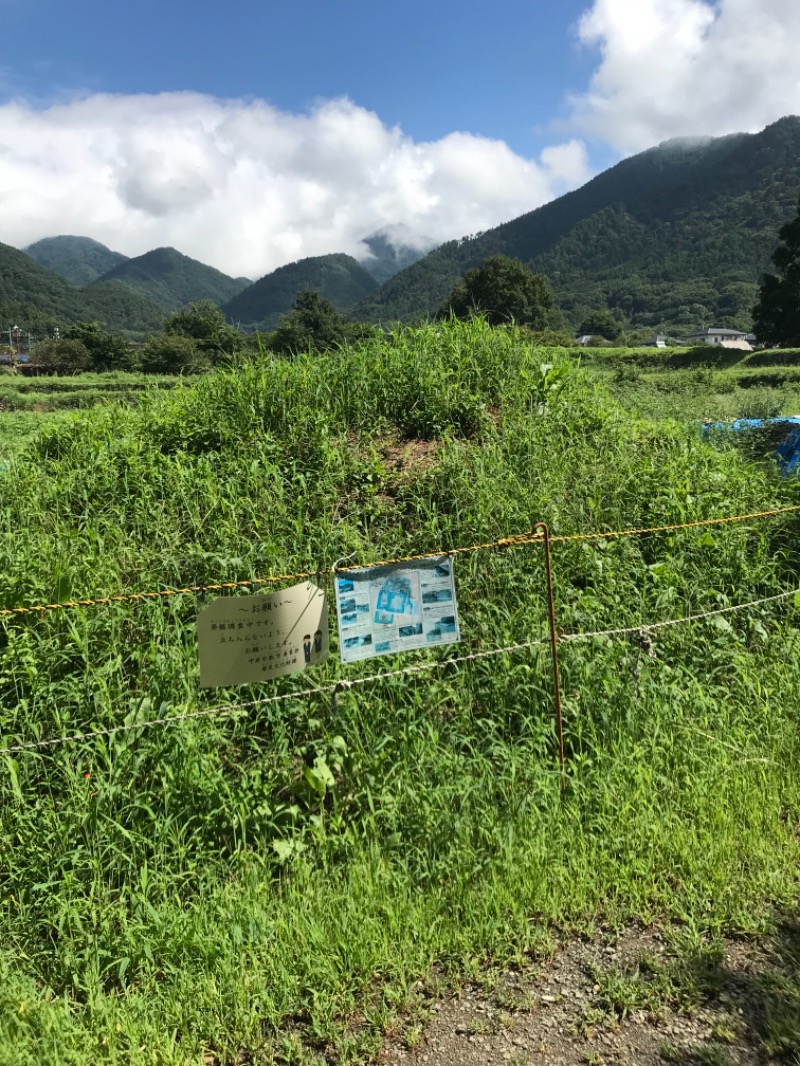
(517, 540)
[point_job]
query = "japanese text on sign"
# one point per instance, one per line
(244, 639)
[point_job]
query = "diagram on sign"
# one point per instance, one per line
(384, 610)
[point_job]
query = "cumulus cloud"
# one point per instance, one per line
(688, 67)
(245, 187)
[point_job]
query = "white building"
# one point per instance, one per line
(725, 338)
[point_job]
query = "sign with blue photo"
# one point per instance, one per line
(388, 609)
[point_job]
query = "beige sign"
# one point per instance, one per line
(244, 639)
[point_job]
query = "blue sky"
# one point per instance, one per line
(499, 68)
(251, 134)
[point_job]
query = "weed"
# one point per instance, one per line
(179, 882)
(477, 1027)
(712, 1055)
(413, 1037)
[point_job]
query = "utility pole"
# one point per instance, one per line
(15, 340)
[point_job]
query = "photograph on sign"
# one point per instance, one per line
(384, 610)
(245, 639)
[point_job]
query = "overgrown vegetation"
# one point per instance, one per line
(699, 385)
(273, 883)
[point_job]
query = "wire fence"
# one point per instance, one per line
(516, 540)
(346, 684)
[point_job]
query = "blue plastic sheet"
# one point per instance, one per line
(787, 454)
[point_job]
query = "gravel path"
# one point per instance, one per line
(639, 998)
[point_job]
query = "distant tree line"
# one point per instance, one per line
(197, 338)
(502, 289)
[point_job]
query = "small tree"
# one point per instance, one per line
(205, 324)
(8, 359)
(776, 316)
(314, 322)
(107, 351)
(600, 324)
(62, 356)
(170, 353)
(504, 290)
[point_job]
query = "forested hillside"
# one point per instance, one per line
(80, 260)
(118, 307)
(675, 236)
(339, 278)
(37, 299)
(172, 280)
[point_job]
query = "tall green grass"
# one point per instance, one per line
(277, 882)
(17, 428)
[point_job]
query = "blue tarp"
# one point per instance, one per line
(787, 454)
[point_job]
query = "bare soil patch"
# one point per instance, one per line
(644, 997)
(400, 455)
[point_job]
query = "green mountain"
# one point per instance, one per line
(37, 299)
(675, 236)
(171, 280)
(78, 259)
(121, 308)
(339, 278)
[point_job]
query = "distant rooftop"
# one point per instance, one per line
(718, 331)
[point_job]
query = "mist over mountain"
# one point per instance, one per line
(677, 235)
(80, 260)
(390, 253)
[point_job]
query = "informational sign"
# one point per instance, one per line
(384, 610)
(244, 639)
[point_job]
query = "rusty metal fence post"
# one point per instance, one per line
(541, 528)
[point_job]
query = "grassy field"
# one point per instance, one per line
(269, 886)
(28, 404)
(697, 385)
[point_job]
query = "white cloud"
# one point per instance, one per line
(688, 67)
(245, 187)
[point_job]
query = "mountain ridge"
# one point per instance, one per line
(338, 277)
(676, 236)
(677, 233)
(37, 299)
(79, 260)
(171, 279)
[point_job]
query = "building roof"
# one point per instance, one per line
(718, 331)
